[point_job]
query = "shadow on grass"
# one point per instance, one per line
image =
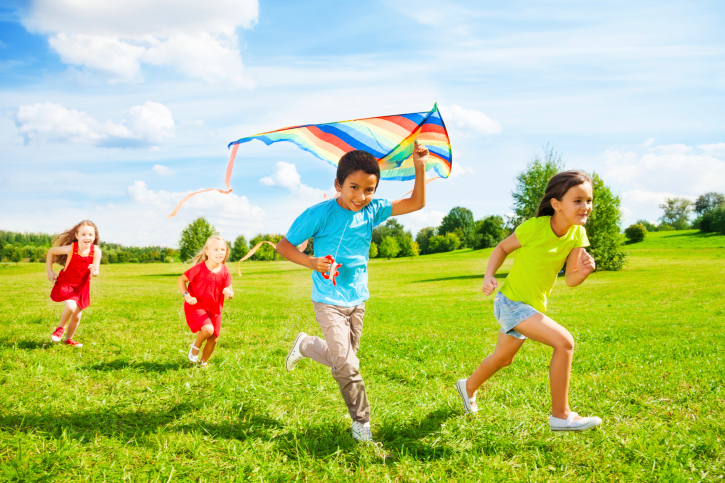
(499, 276)
(141, 366)
(124, 426)
(25, 344)
(320, 442)
(163, 275)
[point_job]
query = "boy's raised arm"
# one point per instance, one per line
(417, 198)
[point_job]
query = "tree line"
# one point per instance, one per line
(33, 247)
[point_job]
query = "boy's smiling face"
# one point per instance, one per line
(357, 190)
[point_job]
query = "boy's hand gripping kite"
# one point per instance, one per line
(332, 273)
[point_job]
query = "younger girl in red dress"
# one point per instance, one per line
(76, 251)
(209, 281)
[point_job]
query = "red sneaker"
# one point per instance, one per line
(55, 337)
(73, 343)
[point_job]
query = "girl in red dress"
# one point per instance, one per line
(209, 282)
(77, 251)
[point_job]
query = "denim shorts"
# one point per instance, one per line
(510, 314)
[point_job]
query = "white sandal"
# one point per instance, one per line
(192, 357)
(469, 404)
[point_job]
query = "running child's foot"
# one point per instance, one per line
(192, 357)
(73, 343)
(469, 403)
(572, 424)
(361, 431)
(55, 336)
(295, 355)
(203, 365)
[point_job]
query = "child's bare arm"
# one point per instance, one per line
(291, 253)
(417, 198)
(96, 265)
(579, 264)
(65, 250)
(182, 281)
(498, 256)
(228, 291)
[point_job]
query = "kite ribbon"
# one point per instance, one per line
(256, 247)
(227, 179)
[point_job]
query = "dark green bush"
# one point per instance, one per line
(636, 233)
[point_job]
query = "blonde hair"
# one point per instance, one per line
(71, 236)
(201, 256)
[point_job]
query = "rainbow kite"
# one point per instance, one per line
(390, 139)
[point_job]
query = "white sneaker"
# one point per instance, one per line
(192, 357)
(361, 431)
(295, 355)
(469, 404)
(569, 424)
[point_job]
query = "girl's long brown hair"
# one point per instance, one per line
(557, 187)
(71, 236)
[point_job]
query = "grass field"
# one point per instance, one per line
(649, 361)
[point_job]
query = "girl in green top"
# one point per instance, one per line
(545, 243)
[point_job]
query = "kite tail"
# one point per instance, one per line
(227, 179)
(256, 247)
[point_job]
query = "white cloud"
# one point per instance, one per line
(469, 121)
(198, 39)
(143, 126)
(717, 150)
(285, 176)
(673, 171)
(672, 149)
(648, 143)
(221, 205)
(163, 170)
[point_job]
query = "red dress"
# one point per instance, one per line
(206, 286)
(74, 281)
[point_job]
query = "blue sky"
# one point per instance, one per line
(113, 111)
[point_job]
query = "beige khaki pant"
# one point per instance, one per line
(342, 328)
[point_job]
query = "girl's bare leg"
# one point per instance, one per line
(70, 307)
(75, 319)
(204, 333)
(543, 329)
(209, 348)
(506, 348)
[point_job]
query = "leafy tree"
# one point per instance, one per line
(408, 248)
(15, 255)
(531, 184)
(636, 233)
(709, 202)
(491, 230)
(240, 248)
(423, 237)
(2, 248)
(665, 227)
(648, 226)
(389, 247)
(603, 228)
(194, 237)
(677, 211)
(266, 252)
(310, 248)
(460, 221)
(391, 228)
(373, 253)
(718, 220)
(446, 243)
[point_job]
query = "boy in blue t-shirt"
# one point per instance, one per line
(343, 228)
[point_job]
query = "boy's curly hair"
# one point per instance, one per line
(357, 160)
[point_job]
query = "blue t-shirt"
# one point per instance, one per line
(345, 235)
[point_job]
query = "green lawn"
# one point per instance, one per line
(649, 361)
